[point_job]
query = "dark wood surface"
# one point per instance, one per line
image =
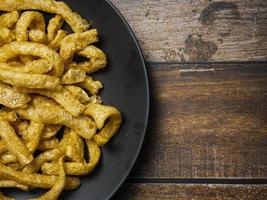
(144, 191)
(207, 64)
(194, 30)
(207, 121)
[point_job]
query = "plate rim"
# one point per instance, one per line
(116, 10)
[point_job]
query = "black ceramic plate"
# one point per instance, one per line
(126, 87)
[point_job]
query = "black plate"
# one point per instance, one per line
(126, 87)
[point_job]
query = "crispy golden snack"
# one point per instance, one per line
(36, 180)
(46, 111)
(38, 81)
(2, 147)
(72, 145)
(73, 76)
(50, 131)
(35, 67)
(62, 97)
(45, 145)
(24, 59)
(8, 115)
(15, 62)
(55, 43)
(76, 42)
(14, 143)
(40, 66)
(6, 35)
(12, 184)
(16, 166)
(91, 85)
(95, 99)
(51, 6)
(77, 168)
(14, 49)
(78, 93)
(97, 59)
(47, 156)
(37, 36)
(9, 19)
(107, 118)
(54, 193)
(33, 135)
(53, 26)
(8, 158)
(20, 127)
(29, 20)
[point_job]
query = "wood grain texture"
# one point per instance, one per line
(198, 30)
(207, 121)
(190, 192)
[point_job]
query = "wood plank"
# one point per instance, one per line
(198, 30)
(207, 121)
(142, 191)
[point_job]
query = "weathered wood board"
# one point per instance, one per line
(190, 192)
(198, 30)
(207, 121)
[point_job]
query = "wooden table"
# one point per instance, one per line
(207, 64)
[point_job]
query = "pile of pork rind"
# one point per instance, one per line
(44, 93)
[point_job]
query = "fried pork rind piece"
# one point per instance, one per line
(51, 6)
(31, 21)
(53, 26)
(12, 98)
(33, 135)
(17, 166)
(37, 36)
(47, 156)
(40, 66)
(76, 42)
(13, 143)
(45, 145)
(12, 184)
(97, 60)
(55, 43)
(8, 115)
(8, 158)
(9, 19)
(55, 191)
(91, 85)
(24, 59)
(62, 97)
(31, 138)
(48, 112)
(78, 93)
(50, 131)
(21, 127)
(36, 180)
(95, 99)
(38, 81)
(6, 35)
(108, 119)
(77, 168)
(73, 76)
(2, 147)
(14, 49)
(72, 145)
